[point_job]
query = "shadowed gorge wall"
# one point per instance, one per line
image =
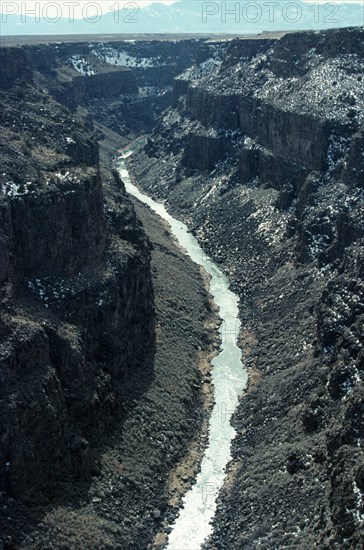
(77, 299)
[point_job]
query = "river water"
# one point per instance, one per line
(229, 378)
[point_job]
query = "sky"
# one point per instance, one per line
(75, 8)
(79, 8)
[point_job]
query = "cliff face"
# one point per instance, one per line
(124, 85)
(260, 153)
(76, 294)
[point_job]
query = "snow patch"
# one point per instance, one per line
(123, 59)
(67, 177)
(12, 189)
(153, 91)
(207, 67)
(81, 65)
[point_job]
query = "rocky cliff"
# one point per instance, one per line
(261, 154)
(76, 294)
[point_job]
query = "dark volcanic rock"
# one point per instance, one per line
(76, 295)
(259, 148)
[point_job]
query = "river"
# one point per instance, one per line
(229, 378)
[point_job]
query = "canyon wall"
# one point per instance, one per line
(260, 154)
(76, 295)
(124, 85)
(104, 333)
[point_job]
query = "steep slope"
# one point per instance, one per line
(261, 155)
(76, 291)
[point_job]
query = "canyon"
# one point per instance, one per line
(256, 144)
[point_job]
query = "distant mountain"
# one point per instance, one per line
(196, 16)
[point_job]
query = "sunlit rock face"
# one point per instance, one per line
(261, 153)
